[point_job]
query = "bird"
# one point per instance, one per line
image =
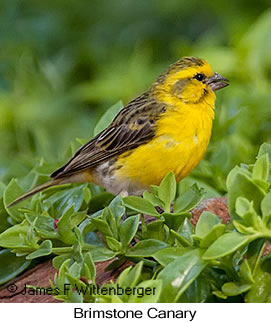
(165, 129)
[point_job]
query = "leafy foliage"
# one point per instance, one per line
(170, 254)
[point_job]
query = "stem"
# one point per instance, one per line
(257, 263)
(61, 250)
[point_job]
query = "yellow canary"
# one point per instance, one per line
(165, 129)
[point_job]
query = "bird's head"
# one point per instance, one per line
(190, 79)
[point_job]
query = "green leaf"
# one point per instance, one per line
(140, 205)
(240, 185)
(179, 274)
(11, 265)
(234, 288)
(128, 229)
(63, 200)
(4, 224)
(266, 208)
(78, 246)
(254, 254)
(102, 254)
(59, 260)
(153, 199)
(15, 237)
(260, 267)
(151, 290)
(146, 248)
(227, 244)
(93, 239)
(102, 226)
(206, 222)
(77, 289)
(189, 199)
(107, 117)
(243, 206)
(124, 274)
(45, 249)
(60, 279)
(154, 190)
(64, 227)
(175, 220)
(117, 208)
(208, 191)
(245, 272)
(44, 226)
(89, 268)
(133, 276)
(261, 168)
(113, 244)
(216, 231)
(167, 190)
(187, 230)
(243, 228)
(11, 192)
(246, 211)
(77, 218)
(167, 255)
(155, 230)
(108, 216)
(260, 291)
(180, 238)
(75, 269)
(264, 185)
(265, 149)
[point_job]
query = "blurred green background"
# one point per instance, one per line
(63, 63)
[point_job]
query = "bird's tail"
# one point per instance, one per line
(37, 189)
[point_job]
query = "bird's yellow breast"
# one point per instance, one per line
(181, 139)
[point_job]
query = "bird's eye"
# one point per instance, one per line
(199, 76)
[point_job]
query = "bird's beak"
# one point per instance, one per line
(217, 82)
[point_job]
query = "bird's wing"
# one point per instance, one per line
(133, 126)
